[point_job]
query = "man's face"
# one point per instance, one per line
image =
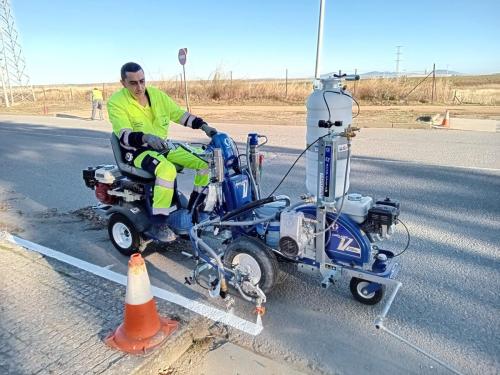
(135, 83)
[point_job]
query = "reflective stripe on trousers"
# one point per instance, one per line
(166, 173)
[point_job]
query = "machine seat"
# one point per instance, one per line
(127, 169)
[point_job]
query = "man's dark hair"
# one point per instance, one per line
(131, 67)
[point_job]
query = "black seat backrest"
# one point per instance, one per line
(125, 168)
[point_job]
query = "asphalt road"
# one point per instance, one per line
(447, 181)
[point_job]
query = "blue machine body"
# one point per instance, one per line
(237, 191)
(229, 152)
(344, 243)
(236, 186)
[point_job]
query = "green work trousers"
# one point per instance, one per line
(164, 169)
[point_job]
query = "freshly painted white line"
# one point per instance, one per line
(199, 308)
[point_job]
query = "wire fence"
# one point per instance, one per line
(223, 89)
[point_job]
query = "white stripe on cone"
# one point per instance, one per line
(138, 285)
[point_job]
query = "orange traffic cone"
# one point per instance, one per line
(142, 328)
(446, 120)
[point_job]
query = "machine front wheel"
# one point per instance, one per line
(356, 285)
(254, 259)
(123, 234)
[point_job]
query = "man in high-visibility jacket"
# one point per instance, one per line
(96, 103)
(141, 117)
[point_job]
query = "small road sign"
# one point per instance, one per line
(182, 55)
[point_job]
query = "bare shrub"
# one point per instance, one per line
(219, 88)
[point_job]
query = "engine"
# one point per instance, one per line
(381, 219)
(102, 179)
(110, 186)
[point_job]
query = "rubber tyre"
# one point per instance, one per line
(266, 260)
(130, 231)
(355, 288)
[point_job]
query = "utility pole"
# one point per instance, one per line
(433, 82)
(15, 81)
(320, 39)
(355, 82)
(286, 83)
(398, 59)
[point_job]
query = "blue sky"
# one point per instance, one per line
(87, 41)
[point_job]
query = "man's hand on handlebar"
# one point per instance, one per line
(199, 123)
(156, 143)
(209, 131)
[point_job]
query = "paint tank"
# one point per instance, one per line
(327, 102)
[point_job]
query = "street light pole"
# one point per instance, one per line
(320, 38)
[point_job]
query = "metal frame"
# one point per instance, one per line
(15, 81)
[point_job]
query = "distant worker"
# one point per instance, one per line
(96, 103)
(141, 117)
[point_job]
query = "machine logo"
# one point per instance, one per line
(244, 186)
(328, 161)
(344, 245)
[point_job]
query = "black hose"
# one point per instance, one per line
(247, 207)
(407, 241)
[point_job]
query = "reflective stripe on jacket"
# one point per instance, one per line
(126, 113)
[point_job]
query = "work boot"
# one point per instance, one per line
(162, 233)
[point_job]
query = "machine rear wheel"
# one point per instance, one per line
(254, 258)
(356, 285)
(123, 234)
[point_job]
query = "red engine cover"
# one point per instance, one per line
(101, 192)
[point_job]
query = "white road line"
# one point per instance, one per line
(199, 308)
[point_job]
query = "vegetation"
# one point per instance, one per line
(221, 90)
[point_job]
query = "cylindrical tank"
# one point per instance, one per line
(340, 105)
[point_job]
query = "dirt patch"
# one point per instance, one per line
(90, 215)
(8, 222)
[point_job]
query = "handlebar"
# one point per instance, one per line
(352, 77)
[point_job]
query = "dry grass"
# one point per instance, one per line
(221, 90)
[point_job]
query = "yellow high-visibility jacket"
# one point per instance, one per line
(125, 112)
(96, 95)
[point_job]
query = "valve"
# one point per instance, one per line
(223, 288)
(349, 132)
(328, 124)
(260, 310)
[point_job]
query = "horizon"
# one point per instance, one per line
(148, 81)
(87, 42)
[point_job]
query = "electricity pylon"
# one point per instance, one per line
(15, 81)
